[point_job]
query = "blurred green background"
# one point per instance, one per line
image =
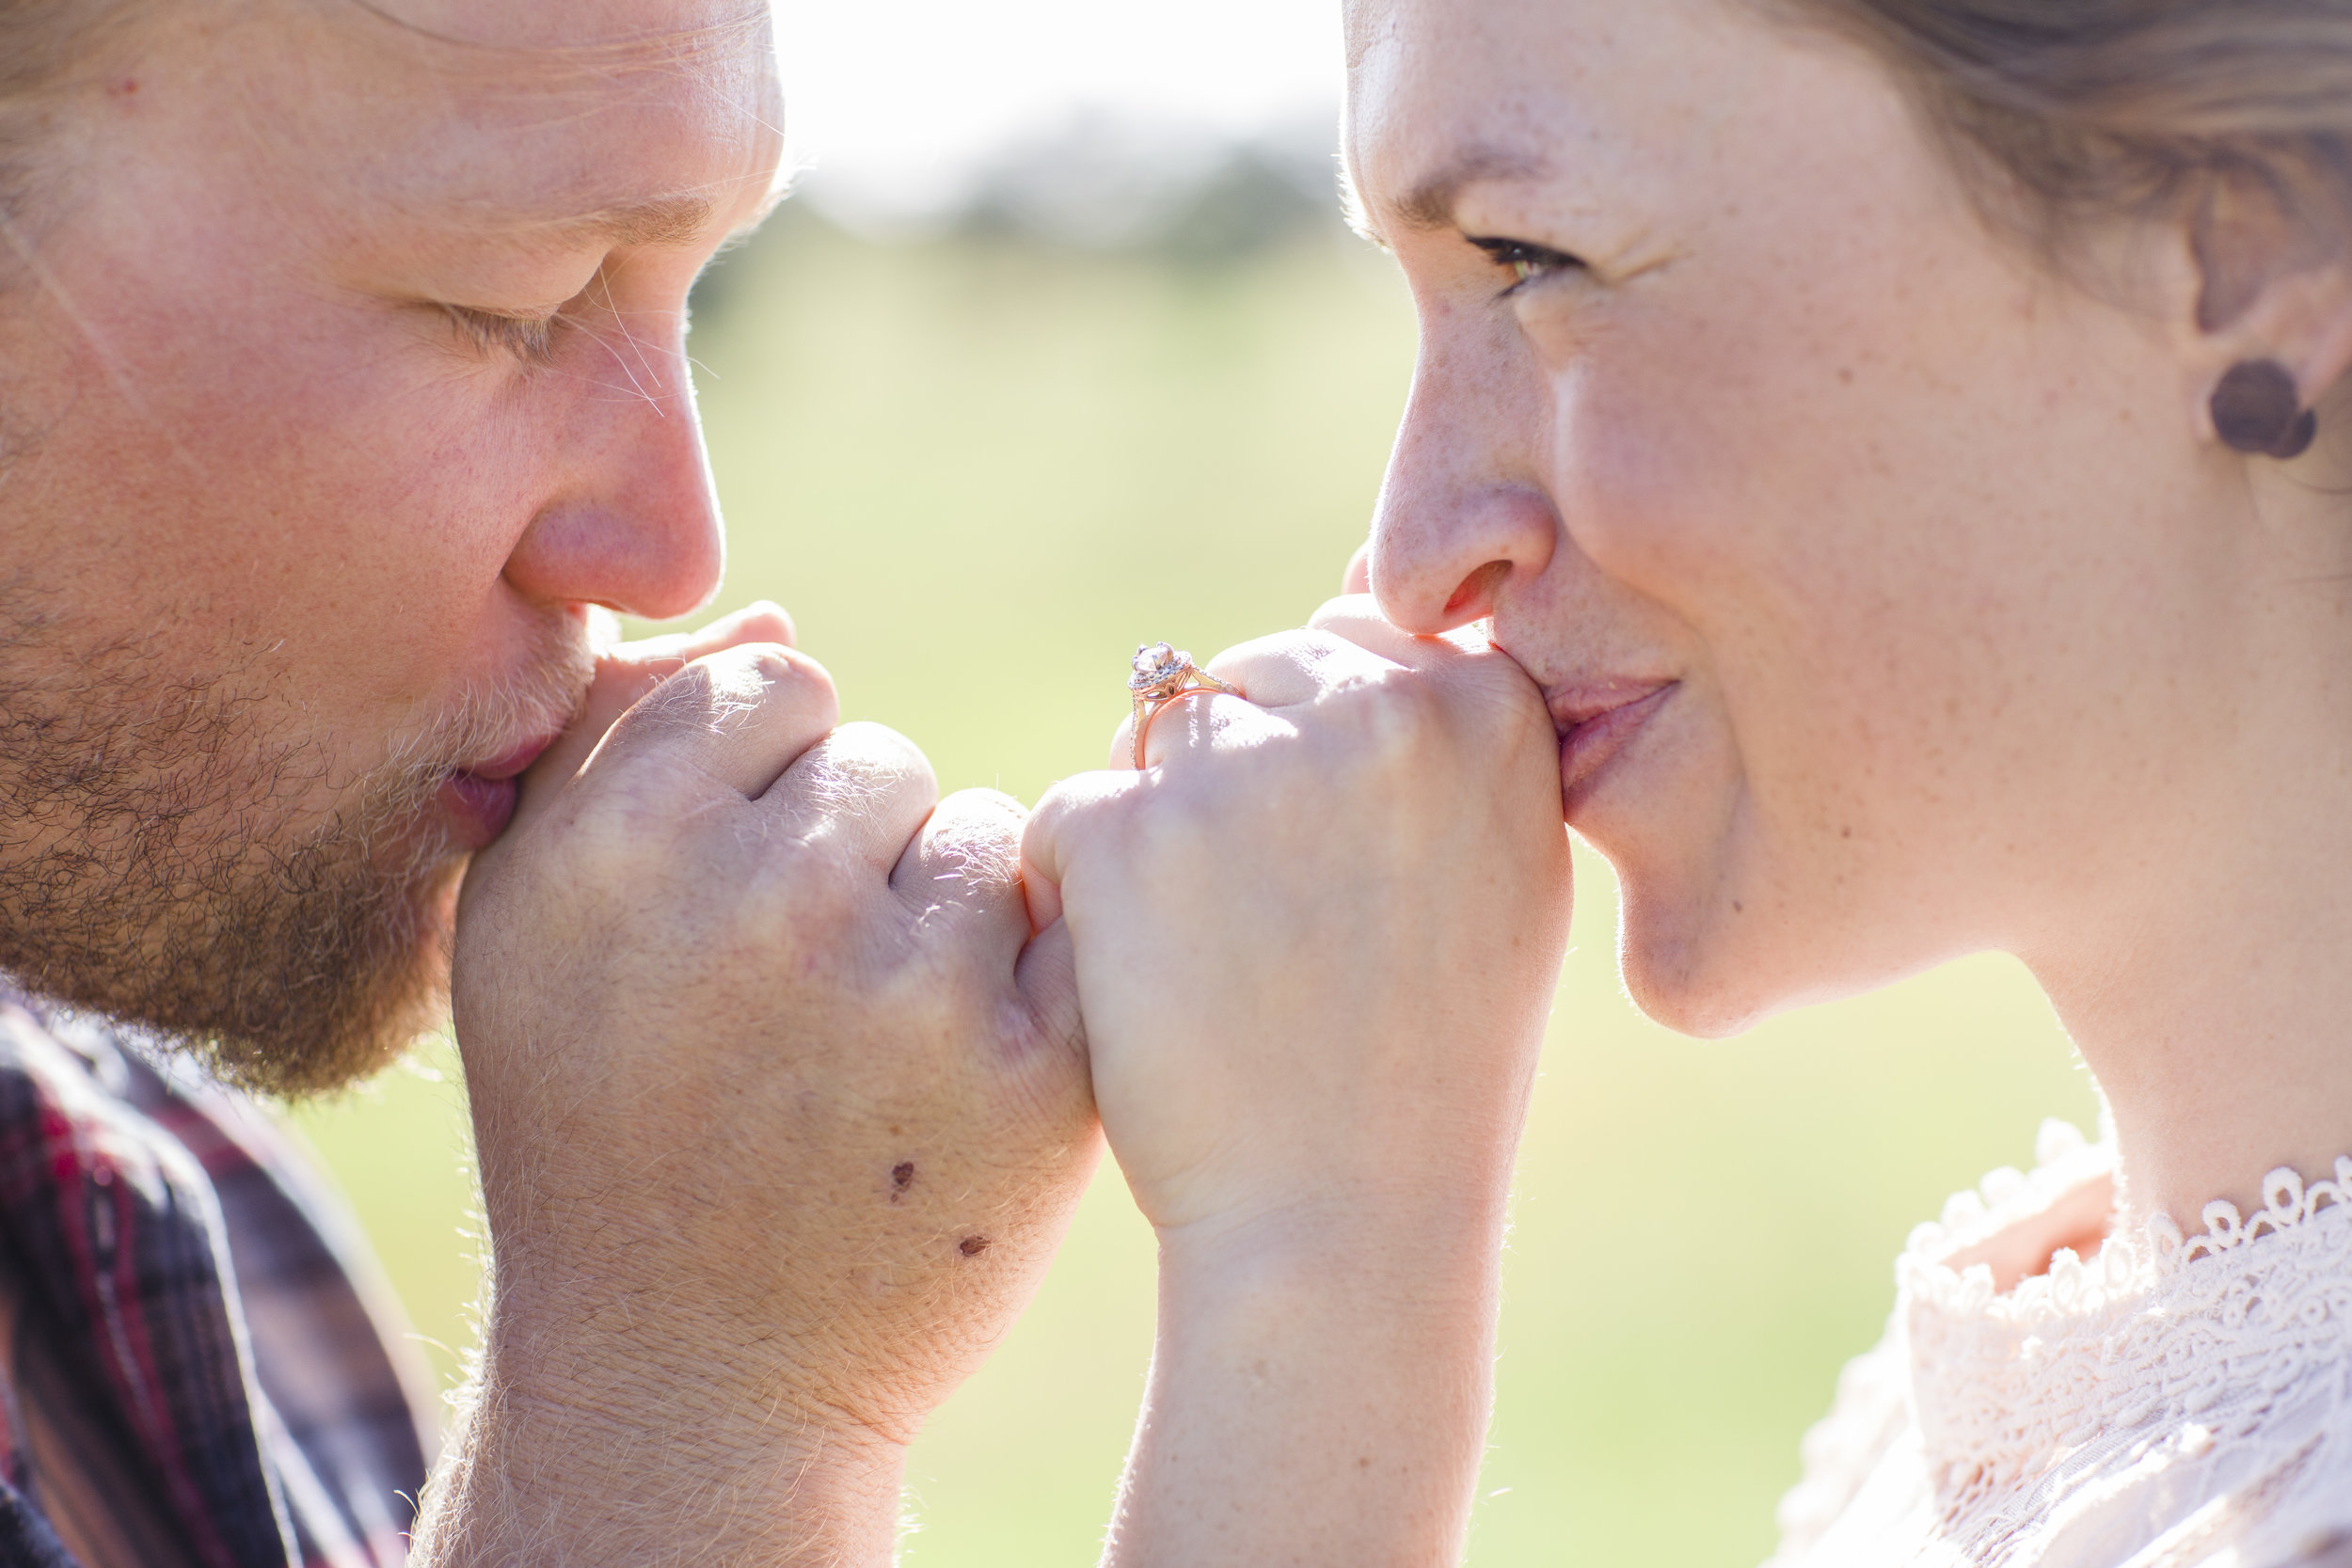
(979, 451)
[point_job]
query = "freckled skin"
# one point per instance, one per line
(1978, 638)
(293, 498)
(263, 447)
(1792, 455)
(353, 378)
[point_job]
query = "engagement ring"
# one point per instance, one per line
(1162, 675)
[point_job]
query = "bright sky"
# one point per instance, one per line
(889, 100)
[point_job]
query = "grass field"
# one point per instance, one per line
(954, 451)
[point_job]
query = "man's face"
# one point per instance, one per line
(345, 376)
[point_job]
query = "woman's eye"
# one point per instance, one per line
(528, 338)
(1525, 262)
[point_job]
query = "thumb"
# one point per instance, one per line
(1070, 811)
(1046, 975)
(624, 676)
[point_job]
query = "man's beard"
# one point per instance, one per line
(162, 859)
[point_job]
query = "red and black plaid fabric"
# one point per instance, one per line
(196, 1323)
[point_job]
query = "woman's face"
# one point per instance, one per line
(1869, 569)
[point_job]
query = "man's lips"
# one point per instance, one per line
(480, 801)
(515, 761)
(1595, 720)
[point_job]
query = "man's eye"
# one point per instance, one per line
(1525, 262)
(529, 338)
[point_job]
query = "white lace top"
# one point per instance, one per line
(2171, 1402)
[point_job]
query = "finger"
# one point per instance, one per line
(963, 871)
(1270, 672)
(1358, 578)
(625, 672)
(761, 621)
(865, 787)
(741, 716)
(1070, 813)
(1046, 976)
(1357, 618)
(1197, 721)
(616, 687)
(1295, 667)
(1186, 721)
(1466, 655)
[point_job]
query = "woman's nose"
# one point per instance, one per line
(636, 527)
(1462, 509)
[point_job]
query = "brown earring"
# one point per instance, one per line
(2256, 409)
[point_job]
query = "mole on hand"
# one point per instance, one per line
(901, 1178)
(973, 1245)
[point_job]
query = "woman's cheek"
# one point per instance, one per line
(1630, 491)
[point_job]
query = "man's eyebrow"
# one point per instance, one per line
(1429, 205)
(663, 220)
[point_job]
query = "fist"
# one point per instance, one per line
(781, 1111)
(1317, 937)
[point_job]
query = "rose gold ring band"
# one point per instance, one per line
(1164, 675)
(1148, 708)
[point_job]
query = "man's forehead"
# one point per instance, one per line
(646, 140)
(612, 29)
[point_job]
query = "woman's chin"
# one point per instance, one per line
(1696, 973)
(1710, 967)
(1670, 996)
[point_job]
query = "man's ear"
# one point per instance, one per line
(2273, 282)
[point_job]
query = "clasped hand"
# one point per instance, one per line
(784, 1096)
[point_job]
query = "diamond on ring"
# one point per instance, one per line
(1162, 675)
(1156, 665)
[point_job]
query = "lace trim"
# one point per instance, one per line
(2149, 1342)
(2124, 1266)
(2162, 1349)
(2286, 1203)
(2064, 1160)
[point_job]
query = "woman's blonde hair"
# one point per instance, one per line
(2071, 111)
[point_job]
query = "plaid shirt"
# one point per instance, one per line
(198, 1369)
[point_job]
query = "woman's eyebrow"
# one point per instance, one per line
(1429, 203)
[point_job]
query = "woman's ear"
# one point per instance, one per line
(2273, 282)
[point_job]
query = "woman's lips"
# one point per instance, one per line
(480, 801)
(1594, 724)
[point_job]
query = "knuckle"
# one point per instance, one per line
(721, 692)
(1075, 808)
(767, 622)
(1506, 702)
(978, 827)
(969, 874)
(848, 776)
(764, 680)
(1298, 646)
(993, 807)
(1343, 607)
(881, 751)
(1392, 721)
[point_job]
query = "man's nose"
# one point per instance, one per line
(1462, 508)
(636, 524)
